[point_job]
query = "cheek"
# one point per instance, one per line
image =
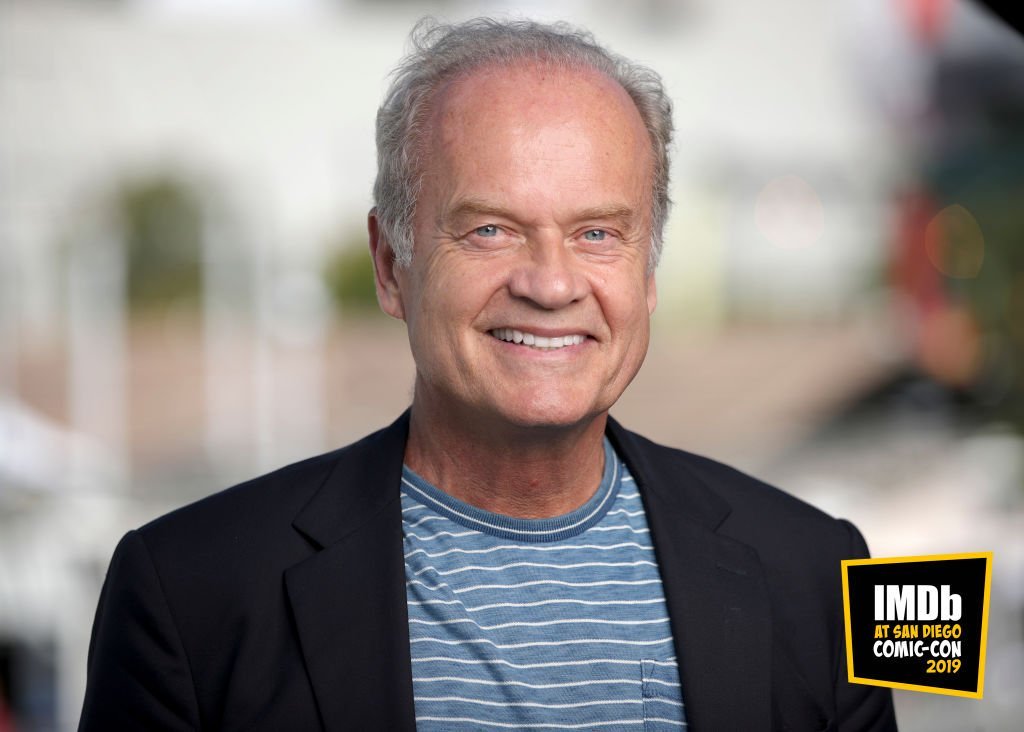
(464, 290)
(627, 309)
(445, 307)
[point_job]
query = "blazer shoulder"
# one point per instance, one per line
(747, 508)
(268, 502)
(277, 490)
(744, 490)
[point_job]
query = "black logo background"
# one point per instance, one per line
(966, 577)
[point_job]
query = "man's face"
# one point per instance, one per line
(528, 297)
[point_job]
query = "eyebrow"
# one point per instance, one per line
(474, 207)
(479, 207)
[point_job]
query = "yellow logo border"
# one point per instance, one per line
(850, 672)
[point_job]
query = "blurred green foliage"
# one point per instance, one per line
(989, 182)
(161, 220)
(348, 274)
(976, 167)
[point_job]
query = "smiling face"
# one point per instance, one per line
(528, 297)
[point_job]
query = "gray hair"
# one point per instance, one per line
(442, 52)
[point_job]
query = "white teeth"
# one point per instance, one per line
(549, 344)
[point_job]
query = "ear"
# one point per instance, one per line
(652, 294)
(389, 294)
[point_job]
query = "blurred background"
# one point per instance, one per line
(186, 297)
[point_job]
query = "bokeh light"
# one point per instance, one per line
(954, 243)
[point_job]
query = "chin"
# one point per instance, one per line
(556, 413)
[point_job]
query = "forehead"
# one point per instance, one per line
(536, 108)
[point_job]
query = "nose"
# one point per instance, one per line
(549, 275)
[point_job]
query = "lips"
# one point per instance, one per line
(545, 343)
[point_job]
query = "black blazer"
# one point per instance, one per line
(280, 604)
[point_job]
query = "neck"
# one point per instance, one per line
(525, 472)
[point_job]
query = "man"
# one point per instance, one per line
(504, 556)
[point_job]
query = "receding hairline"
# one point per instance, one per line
(430, 116)
(540, 65)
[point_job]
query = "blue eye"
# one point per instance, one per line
(595, 235)
(488, 230)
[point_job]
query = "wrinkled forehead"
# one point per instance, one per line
(502, 105)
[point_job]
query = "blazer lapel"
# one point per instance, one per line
(349, 599)
(715, 589)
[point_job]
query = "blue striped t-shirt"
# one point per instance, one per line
(556, 623)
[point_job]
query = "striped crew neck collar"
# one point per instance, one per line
(555, 528)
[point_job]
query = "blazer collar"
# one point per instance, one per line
(344, 503)
(714, 586)
(349, 598)
(661, 471)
